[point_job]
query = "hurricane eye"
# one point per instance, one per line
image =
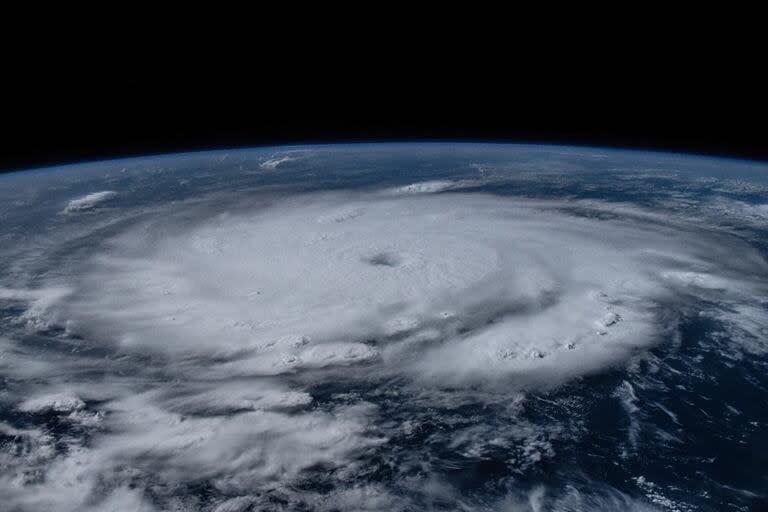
(383, 259)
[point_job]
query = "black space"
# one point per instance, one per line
(62, 116)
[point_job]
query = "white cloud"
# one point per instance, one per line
(88, 202)
(275, 162)
(39, 302)
(58, 402)
(436, 186)
(425, 187)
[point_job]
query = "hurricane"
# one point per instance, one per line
(385, 327)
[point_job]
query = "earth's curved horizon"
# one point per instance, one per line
(388, 326)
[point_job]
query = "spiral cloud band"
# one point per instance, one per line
(452, 289)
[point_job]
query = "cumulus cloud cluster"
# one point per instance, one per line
(202, 342)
